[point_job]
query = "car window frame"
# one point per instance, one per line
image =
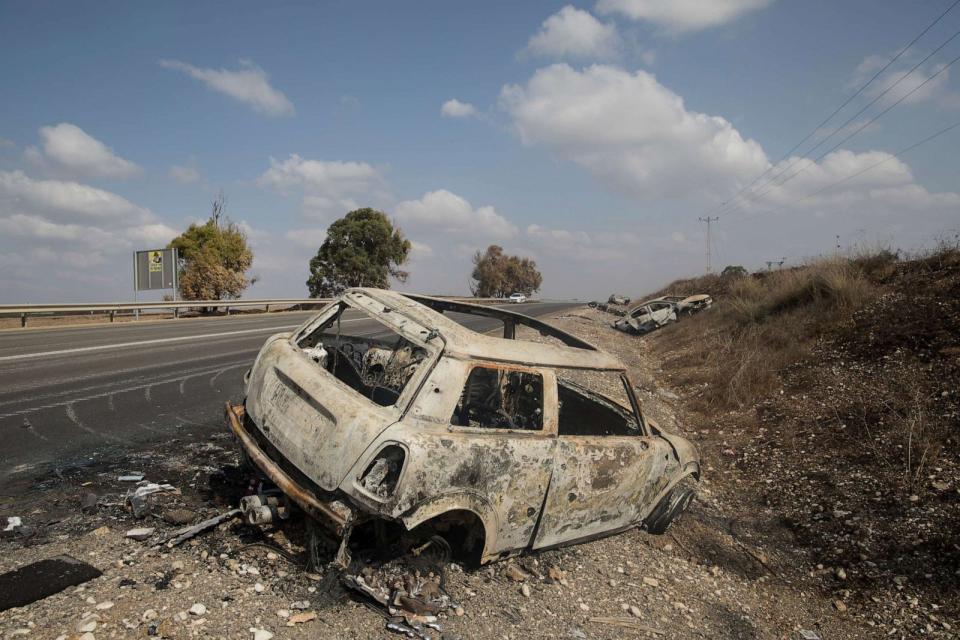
(549, 389)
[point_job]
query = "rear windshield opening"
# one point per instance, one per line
(594, 403)
(365, 354)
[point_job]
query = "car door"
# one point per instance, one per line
(643, 319)
(497, 445)
(601, 478)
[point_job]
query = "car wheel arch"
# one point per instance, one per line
(447, 505)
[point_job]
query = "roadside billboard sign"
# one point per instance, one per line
(155, 269)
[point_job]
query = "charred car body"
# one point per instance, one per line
(417, 420)
(647, 316)
(688, 305)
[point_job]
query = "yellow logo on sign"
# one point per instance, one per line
(156, 262)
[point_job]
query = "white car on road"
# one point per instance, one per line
(517, 298)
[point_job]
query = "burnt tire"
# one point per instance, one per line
(670, 507)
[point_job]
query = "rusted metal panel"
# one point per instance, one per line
(335, 515)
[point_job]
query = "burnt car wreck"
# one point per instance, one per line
(383, 408)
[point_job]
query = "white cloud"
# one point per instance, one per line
(56, 210)
(455, 109)
(248, 84)
(880, 191)
(896, 83)
(630, 132)
(574, 33)
(55, 234)
(311, 238)
(331, 177)
(682, 15)
(71, 148)
(420, 250)
(65, 201)
(446, 212)
(185, 173)
(331, 187)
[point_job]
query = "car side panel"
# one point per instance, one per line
(602, 484)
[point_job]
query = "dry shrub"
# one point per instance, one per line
(765, 323)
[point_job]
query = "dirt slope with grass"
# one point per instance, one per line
(836, 388)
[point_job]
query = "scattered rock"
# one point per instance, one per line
(651, 582)
(88, 623)
(140, 533)
(88, 503)
(525, 590)
(300, 618)
(179, 516)
(260, 634)
(103, 606)
(198, 609)
(515, 573)
(839, 605)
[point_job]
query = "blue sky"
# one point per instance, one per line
(590, 136)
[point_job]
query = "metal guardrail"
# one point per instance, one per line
(113, 308)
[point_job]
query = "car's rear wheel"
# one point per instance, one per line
(671, 506)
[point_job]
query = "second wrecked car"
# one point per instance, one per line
(383, 408)
(647, 316)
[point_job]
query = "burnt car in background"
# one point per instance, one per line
(381, 407)
(689, 305)
(647, 316)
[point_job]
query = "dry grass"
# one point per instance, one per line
(766, 322)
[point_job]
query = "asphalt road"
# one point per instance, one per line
(80, 394)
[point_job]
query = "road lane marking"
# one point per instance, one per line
(106, 394)
(142, 343)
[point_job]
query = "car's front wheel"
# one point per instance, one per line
(671, 506)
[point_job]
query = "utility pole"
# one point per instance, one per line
(708, 220)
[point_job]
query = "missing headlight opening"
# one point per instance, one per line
(382, 474)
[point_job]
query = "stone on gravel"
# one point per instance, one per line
(515, 573)
(300, 618)
(179, 516)
(651, 582)
(198, 609)
(525, 590)
(140, 533)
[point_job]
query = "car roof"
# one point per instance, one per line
(463, 342)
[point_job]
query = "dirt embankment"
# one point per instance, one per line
(743, 563)
(833, 395)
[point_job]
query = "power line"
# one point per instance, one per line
(773, 179)
(813, 162)
(840, 108)
(872, 166)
